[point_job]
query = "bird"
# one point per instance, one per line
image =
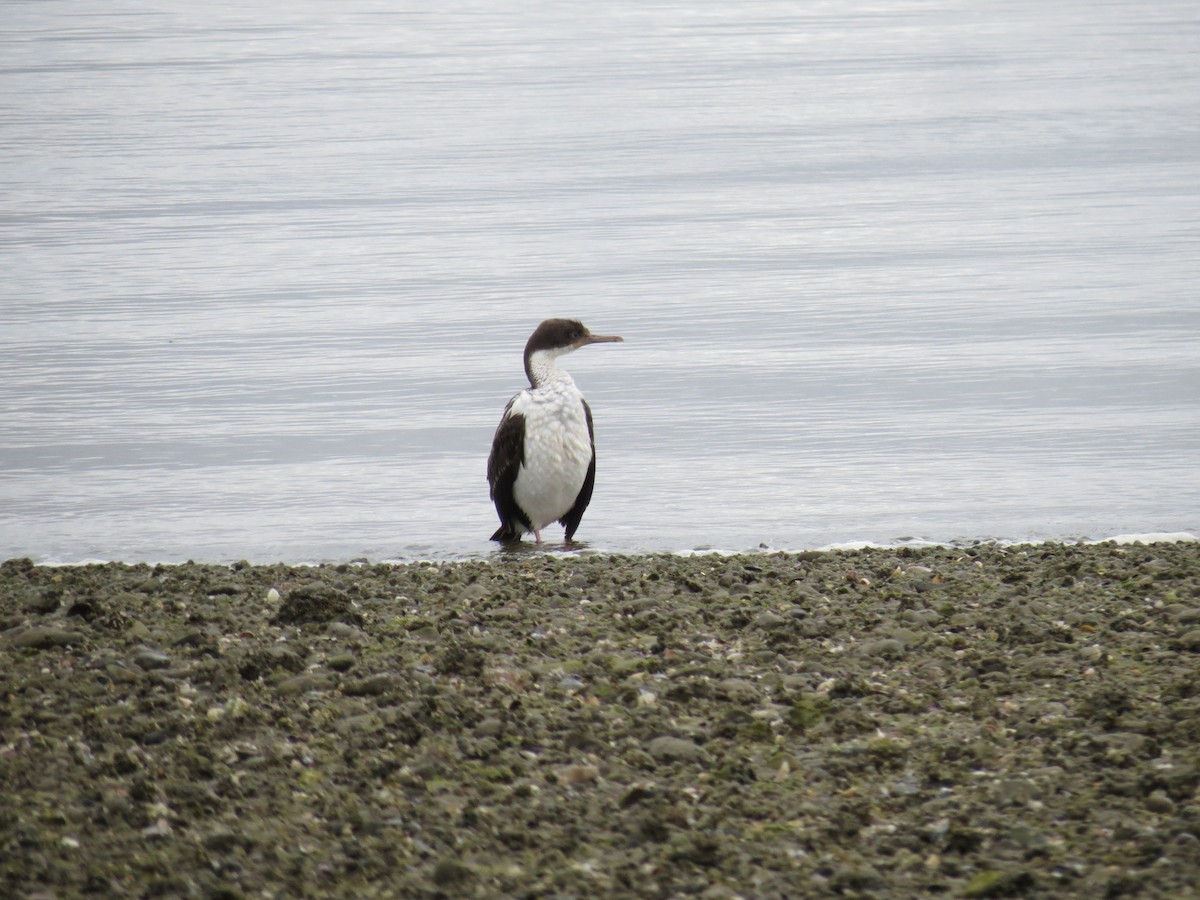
(542, 465)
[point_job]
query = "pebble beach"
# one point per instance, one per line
(978, 721)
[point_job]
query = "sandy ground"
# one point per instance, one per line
(972, 722)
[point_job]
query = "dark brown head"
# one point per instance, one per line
(554, 337)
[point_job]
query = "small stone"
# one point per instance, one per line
(1017, 791)
(737, 690)
(122, 674)
(922, 617)
(571, 683)
(1159, 802)
(221, 840)
(993, 883)
(345, 631)
(581, 774)
(473, 592)
(449, 872)
(1092, 653)
(314, 603)
(888, 648)
(307, 683)
(44, 637)
(160, 830)
(42, 604)
(148, 659)
(264, 660)
(137, 631)
(1186, 842)
(769, 621)
(1124, 746)
(672, 749)
(489, 727)
(1190, 640)
(362, 723)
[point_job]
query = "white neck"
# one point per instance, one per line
(545, 373)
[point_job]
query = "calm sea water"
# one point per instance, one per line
(884, 271)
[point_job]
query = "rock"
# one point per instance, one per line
(44, 637)
(1190, 640)
(450, 872)
(264, 660)
(472, 593)
(137, 630)
(738, 690)
(357, 724)
(307, 682)
(1159, 802)
(770, 621)
(573, 776)
(1121, 747)
(674, 749)
(887, 648)
(993, 883)
(148, 658)
(347, 632)
(490, 727)
(922, 617)
(373, 686)
(315, 603)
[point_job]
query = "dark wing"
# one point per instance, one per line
(508, 453)
(575, 513)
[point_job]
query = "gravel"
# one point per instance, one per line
(981, 721)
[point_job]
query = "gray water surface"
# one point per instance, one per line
(884, 271)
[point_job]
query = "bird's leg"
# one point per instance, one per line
(538, 536)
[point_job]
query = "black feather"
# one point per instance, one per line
(571, 520)
(504, 462)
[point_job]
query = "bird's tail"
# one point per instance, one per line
(507, 533)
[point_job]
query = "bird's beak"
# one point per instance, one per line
(598, 339)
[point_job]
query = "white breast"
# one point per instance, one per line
(558, 452)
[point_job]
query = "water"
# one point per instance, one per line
(911, 270)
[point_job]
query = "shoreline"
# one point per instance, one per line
(496, 553)
(986, 720)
